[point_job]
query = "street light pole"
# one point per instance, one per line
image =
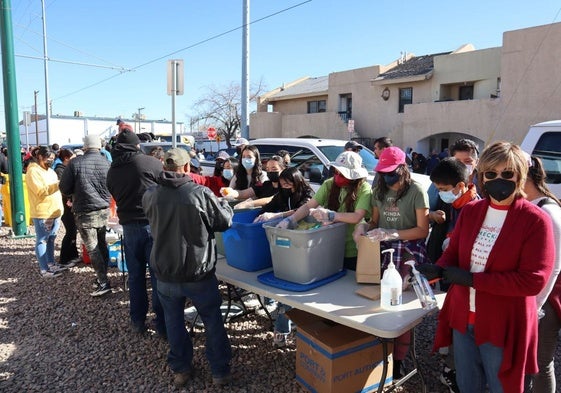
(36, 119)
(139, 124)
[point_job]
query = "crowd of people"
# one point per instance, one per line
(488, 229)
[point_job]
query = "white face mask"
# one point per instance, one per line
(248, 163)
(470, 169)
(448, 196)
(228, 173)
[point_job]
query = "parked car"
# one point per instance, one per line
(313, 157)
(147, 147)
(544, 141)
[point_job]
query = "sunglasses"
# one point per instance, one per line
(490, 175)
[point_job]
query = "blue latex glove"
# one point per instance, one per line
(286, 223)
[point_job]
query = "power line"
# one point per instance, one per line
(121, 69)
(186, 48)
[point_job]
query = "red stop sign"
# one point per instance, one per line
(211, 133)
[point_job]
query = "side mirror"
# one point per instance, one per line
(315, 175)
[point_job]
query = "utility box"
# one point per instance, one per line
(333, 358)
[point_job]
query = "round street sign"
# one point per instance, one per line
(211, 133)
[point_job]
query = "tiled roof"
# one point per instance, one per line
(307, 87)
(419, 65)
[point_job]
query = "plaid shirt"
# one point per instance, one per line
(405, 250)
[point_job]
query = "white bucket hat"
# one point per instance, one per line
(349, 164)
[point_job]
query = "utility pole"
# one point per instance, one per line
(36, 119)
(245, 71)
(139, 119)
(46, 69)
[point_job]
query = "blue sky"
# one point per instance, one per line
(313, 38)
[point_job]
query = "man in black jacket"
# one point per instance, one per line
(85, 180)
(183, 217)
(131, 173)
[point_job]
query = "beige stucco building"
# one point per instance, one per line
(427, 102)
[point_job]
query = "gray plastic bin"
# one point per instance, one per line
(306, 256)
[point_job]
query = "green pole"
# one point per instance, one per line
(12, 128)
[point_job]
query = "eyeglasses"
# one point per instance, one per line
(490, 175)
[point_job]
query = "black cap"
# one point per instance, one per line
(353, 145)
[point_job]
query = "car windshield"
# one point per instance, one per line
(548, 149)
(369, 160)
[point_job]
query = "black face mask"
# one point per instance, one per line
(273, 176)
(499, 189)
(286, 193)
(391, 179)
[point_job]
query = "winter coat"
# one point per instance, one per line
(183, 217)
(505, 306)
(85, 180)
(131, 173)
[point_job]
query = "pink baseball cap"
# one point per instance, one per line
(390, 159)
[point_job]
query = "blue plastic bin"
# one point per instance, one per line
(116, 256)
(245, 243)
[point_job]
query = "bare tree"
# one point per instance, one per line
(220, 108)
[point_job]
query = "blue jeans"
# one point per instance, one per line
(137, 242)
(207, 300)
(45, 235)
(476, 366)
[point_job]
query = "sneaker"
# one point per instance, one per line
(71, 263)
(279, 340)
(56, 267)
(101, 289)
(138, 328)
(221, 381)
(95, 284)
(181, 379)
(448, 378)
(50, 273)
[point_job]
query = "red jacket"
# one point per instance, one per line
(517, 269)
(215, 183)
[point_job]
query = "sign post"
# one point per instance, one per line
(175, 87)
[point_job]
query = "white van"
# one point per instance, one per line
(544, 141)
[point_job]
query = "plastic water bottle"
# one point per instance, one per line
(422, 288)
(391, 286)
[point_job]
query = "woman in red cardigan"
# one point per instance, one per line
(499, 258)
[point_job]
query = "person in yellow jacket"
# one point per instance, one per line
(45, 202)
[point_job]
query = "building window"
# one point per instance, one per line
(316, 106)
(466, 92)
(405, 97)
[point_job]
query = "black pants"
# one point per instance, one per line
(68, 249)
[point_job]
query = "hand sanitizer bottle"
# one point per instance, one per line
(422, 288)
(391, 285)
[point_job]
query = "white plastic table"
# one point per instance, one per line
(337, 301)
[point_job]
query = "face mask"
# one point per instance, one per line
(391, 179)
(469, 169)
(228, 173)
(286, 193)
(341, 181)
(448, 196)
(499, 189)
(49, 163)
(273, 176)
(248, 163)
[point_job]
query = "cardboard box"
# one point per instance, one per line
(333, 358)
(368, 263)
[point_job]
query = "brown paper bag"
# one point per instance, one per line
(368, 261)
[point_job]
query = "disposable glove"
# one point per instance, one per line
(287, 223)
(430, 271)
(247, 204)
(322, 214)
(229, 192)
(455, 275)
(266, 217)
(382, 234)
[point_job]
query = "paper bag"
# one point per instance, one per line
(368, 261)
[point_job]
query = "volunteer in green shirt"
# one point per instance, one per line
(343, 198)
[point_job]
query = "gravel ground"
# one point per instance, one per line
(54, 337)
